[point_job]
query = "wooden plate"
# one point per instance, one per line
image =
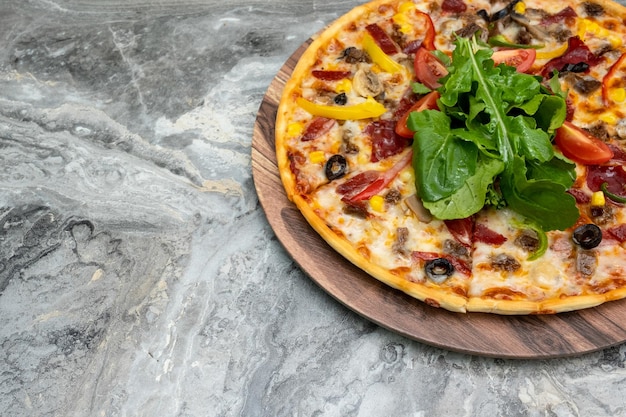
(545, 336)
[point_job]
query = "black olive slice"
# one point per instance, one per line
(438, 270)
(336, 167)
(500, 14)
(483, 14)
(341, 99)
(587, 236)
(579, 67)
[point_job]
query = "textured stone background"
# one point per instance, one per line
(138, 274)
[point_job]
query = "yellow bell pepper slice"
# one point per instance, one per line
(380, 58)
(368, 109)
(553, 53)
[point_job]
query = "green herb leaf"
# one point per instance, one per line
(543, 201)
(419, 88)
(495, 126)
(442, 161)
(472, 194)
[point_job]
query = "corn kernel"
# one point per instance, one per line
(343, 86)
(377, 203)
(406, 176)
(617, 94)
(615, 41)
(520, 7)
(597, 199)
(403, 22)
(587, 27)
(363, 158)
(406, 7)
(317, 157)
(609, 118)
(295, 129)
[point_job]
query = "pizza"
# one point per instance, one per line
(469, 153)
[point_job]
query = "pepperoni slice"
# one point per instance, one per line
(453, 6)
(577, 52)
(486, 235)
(330, 75)
(382, 39)
(618, 232)
(385, 141)
(462, 230)
(317, 127)
(559, 17)
(613, 176)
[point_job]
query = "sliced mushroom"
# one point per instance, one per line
(366, 83)
(530, 27)
(417, 207)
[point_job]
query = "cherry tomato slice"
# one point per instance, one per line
(521, 59)
(428, 69)
(428, 102)
(580, 146)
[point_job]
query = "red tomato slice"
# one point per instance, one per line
(428, 69)
(580, 146)
(521, 59)
(428, 102)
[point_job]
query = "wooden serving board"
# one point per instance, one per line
(537, 336)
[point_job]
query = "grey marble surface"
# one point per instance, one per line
(138, 273)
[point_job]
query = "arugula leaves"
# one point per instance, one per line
(491, 143)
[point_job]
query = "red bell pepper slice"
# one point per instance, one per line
(429, 36)
(367, 184)
(611, 76)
